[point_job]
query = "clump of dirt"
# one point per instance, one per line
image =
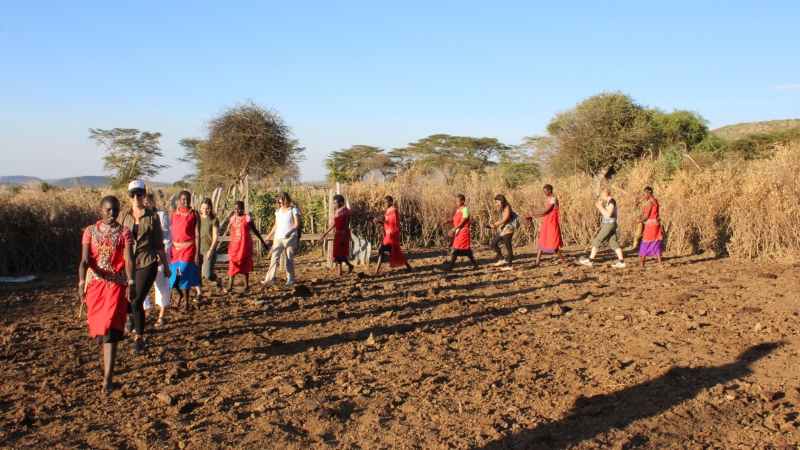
(701, 354)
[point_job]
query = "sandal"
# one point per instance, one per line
(160, 322)
(502, 262)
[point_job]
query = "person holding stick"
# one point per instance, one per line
(608, 231)
(550, 234)
(460, 233)
(391, 237)
(340, 225)
(106, 281)
(240, 249)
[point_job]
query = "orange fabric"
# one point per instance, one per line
(240, 249)
(391, 238)
(461, 241)
(652, 226)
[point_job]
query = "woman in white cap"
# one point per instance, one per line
(150, 251)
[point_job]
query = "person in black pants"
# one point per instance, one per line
(506, 227)
(149, 251)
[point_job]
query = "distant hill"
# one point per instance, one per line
(19, 180)
(740, 130)
(90, 181)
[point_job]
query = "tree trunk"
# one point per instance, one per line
(602, 174)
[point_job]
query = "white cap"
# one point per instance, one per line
(136, 184)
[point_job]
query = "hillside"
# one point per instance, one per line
(740, 130)
(72, 182)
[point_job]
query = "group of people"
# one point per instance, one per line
(131, 249)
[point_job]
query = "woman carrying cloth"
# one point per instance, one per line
(391, 237)
(651, 235)
(340, 225)
(550, 234)
(184, 256)
(106, 281)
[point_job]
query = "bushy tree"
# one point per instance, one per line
(449, 155)
(131, 154)
(680, 128)
(245, 140)
(354, 163)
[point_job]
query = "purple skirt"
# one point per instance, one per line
(650, 248)
(547, 250)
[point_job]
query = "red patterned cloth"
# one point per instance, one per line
(240, 249)
(184, 234)
(341, 248)
(106, 281)
(391, 238)
(550, 233)
(461, 241)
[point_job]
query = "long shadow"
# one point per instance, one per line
(590, 417)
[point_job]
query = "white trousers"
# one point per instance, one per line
(278, 247)
(162, 289)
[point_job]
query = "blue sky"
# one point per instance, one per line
(376, 73)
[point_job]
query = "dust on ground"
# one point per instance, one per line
(701, 354)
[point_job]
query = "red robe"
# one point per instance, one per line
(240, 249)
(184, 234)
(461, 241)
(550, 233)
(106, 283)
(391, 238)
(341, 249)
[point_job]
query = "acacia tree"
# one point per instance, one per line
(449, 155)
(245, 140)
(354, 163)
(131, 154)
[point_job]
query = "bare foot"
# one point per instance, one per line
(350, 269)
(564, 265)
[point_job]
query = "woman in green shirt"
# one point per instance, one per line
(209, 239)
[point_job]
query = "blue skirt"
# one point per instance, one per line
(190, 275)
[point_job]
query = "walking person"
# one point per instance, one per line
(209, 240)
(284, 236)
(161, 284)
(550, 233)
(240, 249)
(106, 281)
(652, 233)
(506, 226)
(608, 231)
(340, 225)
(184, 255)
(460, 233)
(146, 229)
(391, 237)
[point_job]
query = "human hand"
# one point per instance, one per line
(529, 217)
(81, 294)
(208, 254)
(289, 234)
(131, 292)
(374, 220)
(167, 271)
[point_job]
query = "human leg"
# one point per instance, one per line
(275, 256)
(109, 358)
(144, 279)
(495, 244)
(291, 246)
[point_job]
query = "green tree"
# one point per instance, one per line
(520, 164)
(354, 163)
(449, 155)
(680, 128)
(599, 132)
(246, 140)
(131, 154)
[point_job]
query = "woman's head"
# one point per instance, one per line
(338, 200)
(388, 201)
(207, 208)
(648, 192)
(605, 194)
(137, 193)
(150, 201)
(284, 200)
(109, 209)
(500, 201)
(460, 200)
(185, 199)
(238, 208)
(548, 190)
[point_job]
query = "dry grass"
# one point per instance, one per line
(740, 130)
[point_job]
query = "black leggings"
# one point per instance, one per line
(496, 246)
(145, 277)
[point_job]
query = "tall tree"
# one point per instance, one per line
(131, 154)
(354, 163)
(680, 127)
(247, 140)
(449, 155)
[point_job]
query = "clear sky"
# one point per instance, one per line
(380, 73)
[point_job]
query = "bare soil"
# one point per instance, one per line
(701, 354)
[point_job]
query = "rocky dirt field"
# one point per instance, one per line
(701, 354)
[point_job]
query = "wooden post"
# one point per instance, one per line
(329, 244)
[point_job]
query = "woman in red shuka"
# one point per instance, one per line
(240, 249)
(340, 224)
(460, 233)
(391, 238)
(550, 234)
(106, 281)
(184, 255)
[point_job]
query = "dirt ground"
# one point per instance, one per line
(702, 354)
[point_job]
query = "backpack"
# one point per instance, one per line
(514, 221)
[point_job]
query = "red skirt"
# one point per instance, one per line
(396, 256)
(107, 306)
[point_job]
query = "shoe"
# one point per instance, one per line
(129, 324)
(198, 299)
(138, 347)
(268, 282)
(619, 265)
(586, 262)
(290, 283)
(219, 288)
(502, 262)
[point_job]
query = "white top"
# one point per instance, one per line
(283, 219)
(165, 228)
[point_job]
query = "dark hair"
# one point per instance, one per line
(240, 204)
(503, 201)
(187, 194)
(389, 199)
(461, 197)
(285, 198)
(547, 187)
(649, 190)
(338, 198)
(207, 201)
(109, 198)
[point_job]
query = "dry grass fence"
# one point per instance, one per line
(745, 210)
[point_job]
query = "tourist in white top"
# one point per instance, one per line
(284, 239)
(162, 282)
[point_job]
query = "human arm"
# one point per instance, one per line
(542, 213)
(82, 268)
(255, 231)
(130, 270)
(295, 222)
(647, 207)
(197, 255)
(214, 240)
(505, 219)
(607, 210)
(158, 244)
